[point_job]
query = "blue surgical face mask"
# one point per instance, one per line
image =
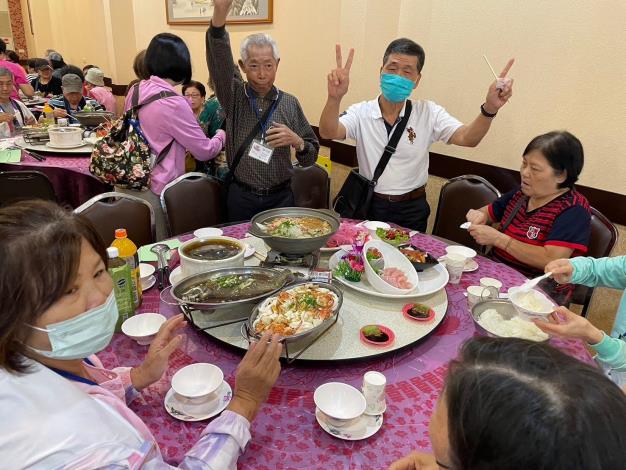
(395, 88)
(83, 335)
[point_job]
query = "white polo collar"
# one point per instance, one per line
(377, 112)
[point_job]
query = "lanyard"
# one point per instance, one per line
(74, 377)
(263, 124)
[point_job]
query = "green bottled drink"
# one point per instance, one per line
(122, 286)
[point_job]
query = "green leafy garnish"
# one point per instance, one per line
(344, 270)
(308, 301)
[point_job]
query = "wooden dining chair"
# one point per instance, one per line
(601, 242)
(110, 211)
(311, 187)
(20, 185)
(192, 201)
(457, 196)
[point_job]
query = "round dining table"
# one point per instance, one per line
(285, 434)
(69, 174)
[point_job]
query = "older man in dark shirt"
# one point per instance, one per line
(262, 177)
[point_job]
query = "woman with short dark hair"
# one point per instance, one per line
(210, 116)
(543, 220)
(60, 407)
(169, 124)
(208, 111)
(514, 404)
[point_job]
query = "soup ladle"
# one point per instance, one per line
(161, 249)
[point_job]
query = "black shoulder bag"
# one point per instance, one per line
(355, 196)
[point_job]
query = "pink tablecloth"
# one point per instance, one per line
(70, 177)
(285, 434)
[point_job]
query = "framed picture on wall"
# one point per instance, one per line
(200, 11)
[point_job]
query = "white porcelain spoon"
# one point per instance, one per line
(532, 283)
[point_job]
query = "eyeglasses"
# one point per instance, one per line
(6, 84)
(192, 95)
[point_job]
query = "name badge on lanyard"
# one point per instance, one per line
(259, 150)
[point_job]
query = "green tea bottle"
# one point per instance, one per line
(122, 285)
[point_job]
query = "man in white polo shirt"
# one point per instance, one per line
(400, 193)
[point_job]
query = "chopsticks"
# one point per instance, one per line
(36, 156)
(495, 75)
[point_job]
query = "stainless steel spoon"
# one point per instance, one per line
(161, 250)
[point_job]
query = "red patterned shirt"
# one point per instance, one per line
(565, 221)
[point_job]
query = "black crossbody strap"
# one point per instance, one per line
(521, 201)
(392, 144)
(135, 107)
(135, 98)
(255, 130)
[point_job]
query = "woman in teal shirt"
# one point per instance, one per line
(210, 117)
(592, 272)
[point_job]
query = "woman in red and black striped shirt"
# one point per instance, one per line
(546, 218)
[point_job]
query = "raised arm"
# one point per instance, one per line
(219, 56)
(338, 83)
(500, 91)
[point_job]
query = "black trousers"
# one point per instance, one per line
(243, 205)
(410, 214)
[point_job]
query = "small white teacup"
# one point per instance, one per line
(197, 382)
(341, 404)
(491, 282)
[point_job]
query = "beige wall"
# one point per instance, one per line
(569, 53)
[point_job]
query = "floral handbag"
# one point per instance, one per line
(123, 157)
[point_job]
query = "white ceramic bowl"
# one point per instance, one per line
(207, 232)
(545, 305)
(191, 266)
(197, 381)
(145, 271)
(392, 259)
(372, 225)
(142, 327)
(65, 136)
(461, 250)
(340, 402)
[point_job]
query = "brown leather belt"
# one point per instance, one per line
(417, 193)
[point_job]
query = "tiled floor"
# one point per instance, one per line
(605, 301)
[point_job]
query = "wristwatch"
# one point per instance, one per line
(300, 147)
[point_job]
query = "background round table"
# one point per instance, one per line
(285, 433)
(73, 183)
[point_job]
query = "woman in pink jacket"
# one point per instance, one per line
(170, 119)
(60, 407)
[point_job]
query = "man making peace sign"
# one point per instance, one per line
(400, 195)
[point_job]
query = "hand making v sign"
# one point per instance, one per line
(339, 78)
